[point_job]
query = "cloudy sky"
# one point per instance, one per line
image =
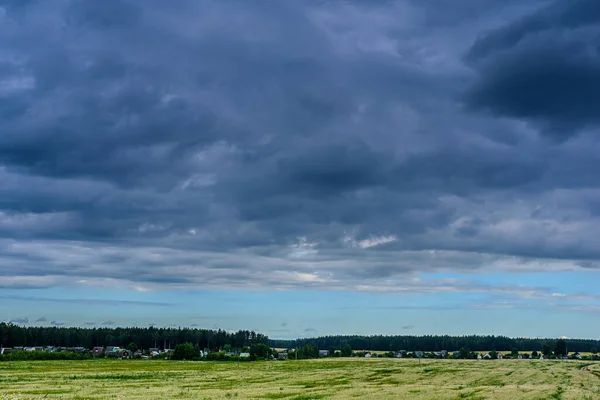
(302, 167)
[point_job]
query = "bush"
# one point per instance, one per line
(186, 351)
(43, 355)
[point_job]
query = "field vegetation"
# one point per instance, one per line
(330, 378)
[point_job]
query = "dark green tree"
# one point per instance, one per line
(593, 350)
(132, 347)
(309, 351)
(186, 351)
(546, 349)
(346, 350)
(534, 354)
(331, 351)
(259, 351)
(560, 349)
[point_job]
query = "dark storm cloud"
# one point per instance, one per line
(291, 144)
(20, 321)
(57, 323)
(543, 67)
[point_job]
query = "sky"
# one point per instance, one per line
(302, 167)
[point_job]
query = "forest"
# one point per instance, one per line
(435, 343)
(14, 336)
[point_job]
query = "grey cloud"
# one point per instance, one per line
(178, 147)
(543, 68)
(108, 323)
(57, 323)
(41, 319)
(87, 301)
(408, 327)
(21, 321)
(89, 323)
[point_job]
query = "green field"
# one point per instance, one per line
(301, 380)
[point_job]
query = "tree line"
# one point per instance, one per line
(434, 343)
(12, 335)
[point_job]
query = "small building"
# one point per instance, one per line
(97, 351)
(323, 353)
(368, 355)
(499, 356)
(283, 355)
(112, 351)
(244, 355)
(419, 354)
(400, 353)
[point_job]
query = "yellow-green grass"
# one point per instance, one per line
(301, 380)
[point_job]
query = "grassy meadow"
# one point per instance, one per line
(301, 380)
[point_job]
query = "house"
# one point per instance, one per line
(487, 356)
(400, 353)
(97, 351)
(479, 356)
(112, 351)
(29, 348)
(323, 353)
(419, 354)
(499, 356)
(368, 355)
(244, 355)
(283, 355)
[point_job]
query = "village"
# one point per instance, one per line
(226, 354)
